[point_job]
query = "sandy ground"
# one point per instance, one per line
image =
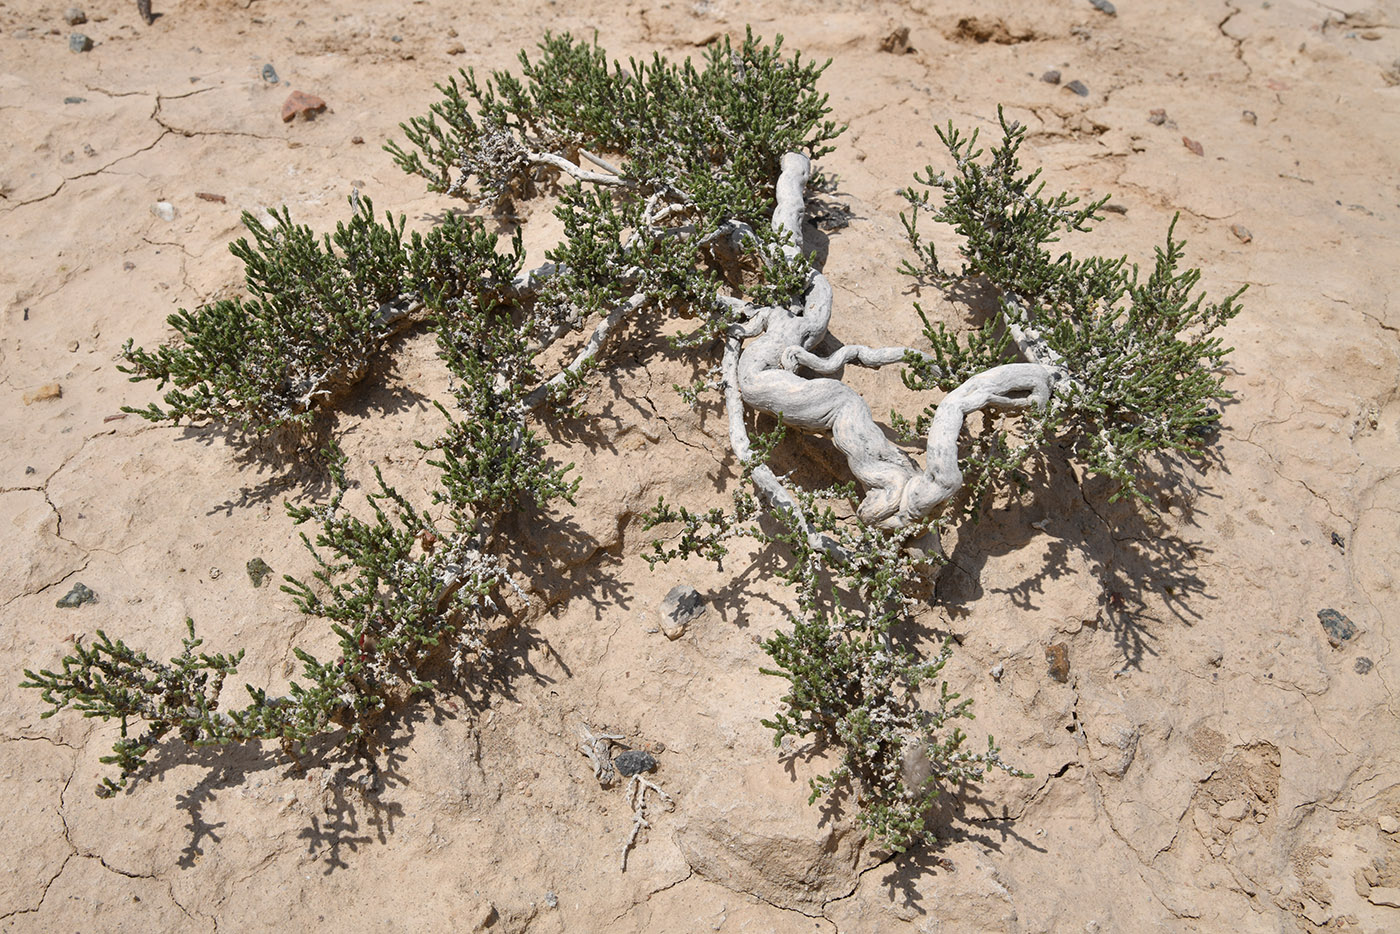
(1212, 762)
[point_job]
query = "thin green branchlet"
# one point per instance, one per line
(1139, 356)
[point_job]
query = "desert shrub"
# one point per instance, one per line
(680, 190)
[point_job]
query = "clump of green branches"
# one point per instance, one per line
(1140, 355)
(851, 683)
(318, 310)
(411, 597)
(714, 132)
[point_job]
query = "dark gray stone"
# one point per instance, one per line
(1051, 77)
(1078, 87)
(77, 42)
(1363, 665)
(682, 606)
(269, 74)
(258, 571)
(75, 100)
(76, 597)
(632, 761)
(1103, 6)
(1339, 628)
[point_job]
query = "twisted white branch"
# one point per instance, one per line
(597, 341)
(762, 376)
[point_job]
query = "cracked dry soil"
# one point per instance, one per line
(1210, 763)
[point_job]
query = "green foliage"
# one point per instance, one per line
(1140, 355)
(318, 310)
(397, 591)
(111, 680)
(681, 225)
(491, 462)
(714, 135)
(404, 594)
(687, 209)
(850, 684)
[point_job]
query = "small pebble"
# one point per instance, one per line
(997, 671)
(357, 140)
(75, 100)
(44, 393)
(269, 74)
(1388, 823)
(77, 42)
(683, 605)
(1250, 117)
(1242, 232)
(73, 16)
(633, 761)
(1338, 627)
(164, 210)
(1236, 810)
(258, 571)
(1057, 658)
(1157, 116)
(1103, 6)
(1078, 87)
(29, 471)
(76, 597)
(207, 196)
(897, 42)
(456, 48)
(1051, 77)
(128, 266)
(1363, 665)
(215, 574)
(1339, 541)
(72, 346)
(1192, 145)
(306, 105)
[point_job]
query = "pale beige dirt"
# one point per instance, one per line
(1212, 762)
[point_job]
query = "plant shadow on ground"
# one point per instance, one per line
(950, 823)
(1137, 559)
(294, 460)
(355, 805)
(1139, 563)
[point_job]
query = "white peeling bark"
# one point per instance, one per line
(762, 376)
(765, 381)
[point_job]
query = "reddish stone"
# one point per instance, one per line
(1057, 658)
(307, 105)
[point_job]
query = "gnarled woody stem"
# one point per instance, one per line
(897, 494)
